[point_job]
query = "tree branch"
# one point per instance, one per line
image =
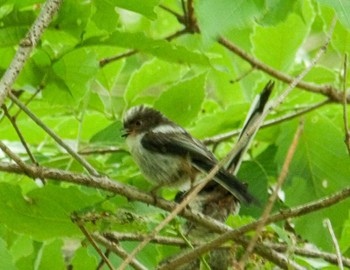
(310, 253)
(104, 183)
(53, 135)
(117, 250)
(26, 46)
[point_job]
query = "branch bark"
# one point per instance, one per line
(26, 46)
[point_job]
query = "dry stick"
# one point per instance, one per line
(242, 76)
(118, 250)
(101, 150)
(28, 101)
(162, 240)
(245, 137)
(310, 253)
(53, 135)
(102, 262)
(14, 157)
(269, 123)
(335, 243)
(274, 195)
(26, 46)
(76, 220)
(345, 110)
(24, 143)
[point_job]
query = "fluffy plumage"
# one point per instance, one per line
(169, 156)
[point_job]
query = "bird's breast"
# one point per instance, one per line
(160, 168)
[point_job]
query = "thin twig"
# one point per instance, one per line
(335, 243)
(101, 151)
(162, 240)
(27, 45)
(118, 250)
(274, 195)
(345, 109)
(30, 99)
(53, 135)
(310, 253)
(243, 75)
(24, 143)
(15, 158)
(108, 60)
(277, 258)
(102, 262)
(75, 218)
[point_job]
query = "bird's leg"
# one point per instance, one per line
(154, 192)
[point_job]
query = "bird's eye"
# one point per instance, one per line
(138, 123)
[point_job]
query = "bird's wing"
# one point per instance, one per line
(182, 144)
(176, 143)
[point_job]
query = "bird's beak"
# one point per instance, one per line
(125, 132)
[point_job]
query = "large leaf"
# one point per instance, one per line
(151, 79)
(76, 69)
(342, 9)
(42, 213)
(183, 101)
(277, 45)
(320, 167)
(218, 17)
(6, 257)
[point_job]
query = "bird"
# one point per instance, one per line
(169, 156)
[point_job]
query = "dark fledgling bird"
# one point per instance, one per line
(169, 156)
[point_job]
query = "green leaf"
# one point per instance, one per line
(151, 79)
(342, 9)
(105, 16)
(145, 8)
(42, 213)
(6, 257)
(210, 124)
(216, 18)
(76, 69)
(312, 174)
(277, 46)
(51, 256)
(110, 134)
(278, 11)
(83, 260)
(183, 101)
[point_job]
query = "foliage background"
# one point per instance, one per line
(70, 84)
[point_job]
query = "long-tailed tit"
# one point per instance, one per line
(169, 156)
